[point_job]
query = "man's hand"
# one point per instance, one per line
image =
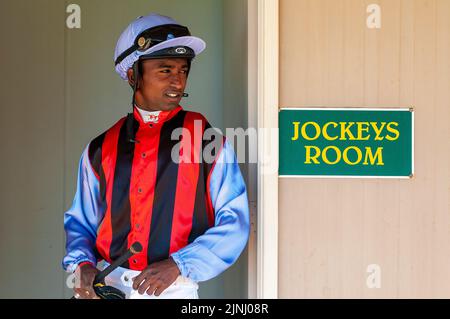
(85, 276)
(157, 277)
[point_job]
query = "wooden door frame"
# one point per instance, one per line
(263, 79)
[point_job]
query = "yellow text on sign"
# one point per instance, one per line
(314, 152)
(343, 131)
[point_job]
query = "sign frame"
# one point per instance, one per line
(362, 108)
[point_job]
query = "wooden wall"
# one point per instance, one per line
(330, 230)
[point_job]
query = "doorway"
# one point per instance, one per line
(69, 93)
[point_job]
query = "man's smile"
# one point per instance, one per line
(173, 94)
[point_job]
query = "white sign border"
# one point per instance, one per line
(322, 108)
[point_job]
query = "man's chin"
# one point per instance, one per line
(169, 106)
(162, 105)
(173, 104)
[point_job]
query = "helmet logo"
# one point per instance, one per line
(180, 50)
(144, 43)
(170, 36)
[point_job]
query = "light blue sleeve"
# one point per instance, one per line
(82, 219)
(220, 246)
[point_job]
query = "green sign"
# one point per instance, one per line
(346, 142)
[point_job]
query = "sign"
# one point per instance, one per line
(346, 142)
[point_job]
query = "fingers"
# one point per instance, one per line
(152, 286)
(148, 286)
(85, 275)
(85, 293)
(147, 273)
(138, 280)
(156, 278)
(159, 290)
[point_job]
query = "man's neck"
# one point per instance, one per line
(153, 109)
(142, 110)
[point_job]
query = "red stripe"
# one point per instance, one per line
(143, 176)
(188, 172)
(209, 205)
(109, 155)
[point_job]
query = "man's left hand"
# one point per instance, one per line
(157, 277)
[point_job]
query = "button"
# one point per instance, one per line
(134, 261)
(137, 226)
(144, 155)
(139, 190)
(151, 125)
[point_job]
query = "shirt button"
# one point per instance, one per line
(134, 261)
(137, 226)
(139, 190)
(151, 125)
(144, 155)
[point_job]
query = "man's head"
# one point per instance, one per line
(161, 83)
(154, 54)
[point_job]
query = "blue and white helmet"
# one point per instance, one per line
(154, 36)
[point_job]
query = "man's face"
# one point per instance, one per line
(162, 83)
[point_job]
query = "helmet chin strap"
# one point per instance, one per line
(136, 82)
(130, 116)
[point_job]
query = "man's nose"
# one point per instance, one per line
(176, 81)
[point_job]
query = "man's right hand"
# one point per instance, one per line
(85, 275)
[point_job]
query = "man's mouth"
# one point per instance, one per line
(173, 95)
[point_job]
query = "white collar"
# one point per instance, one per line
(149, 116)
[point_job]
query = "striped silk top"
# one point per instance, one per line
(170, 182)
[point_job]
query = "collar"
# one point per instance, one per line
(149, 116)
(154, 117)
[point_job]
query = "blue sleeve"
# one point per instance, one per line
(82, 219)
(220, 246)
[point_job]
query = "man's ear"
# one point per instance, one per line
(130, 75)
